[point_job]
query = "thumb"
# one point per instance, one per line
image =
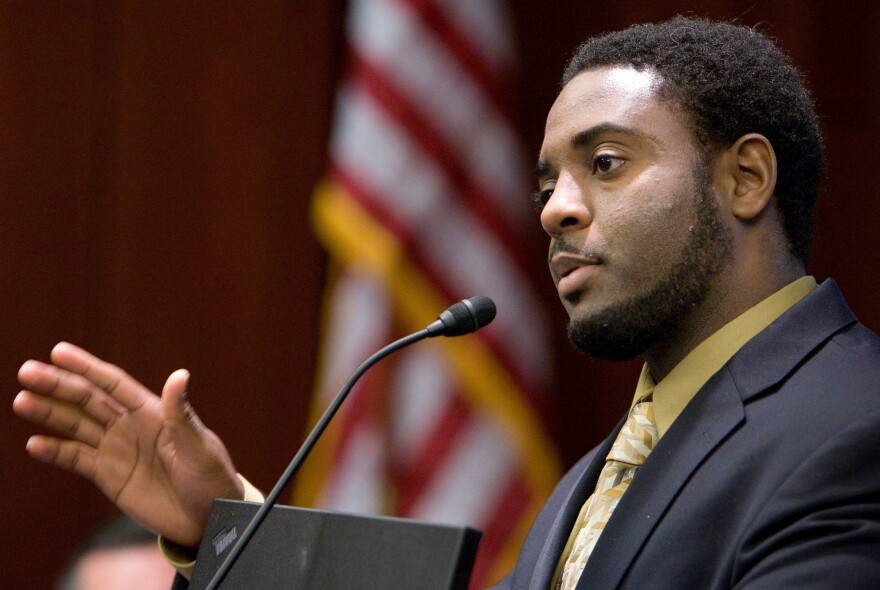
(176, 408)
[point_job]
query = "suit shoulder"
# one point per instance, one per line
(858, 338)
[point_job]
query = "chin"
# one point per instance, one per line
(618, 331)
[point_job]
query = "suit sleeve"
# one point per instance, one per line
(822, 527)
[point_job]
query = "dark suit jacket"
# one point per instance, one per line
(769, 479)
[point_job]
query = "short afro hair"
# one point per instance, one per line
(730, 80)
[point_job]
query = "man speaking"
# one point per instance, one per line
(677, 181)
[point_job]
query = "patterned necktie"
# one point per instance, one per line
(636, 439)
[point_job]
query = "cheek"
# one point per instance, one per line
(645, 239)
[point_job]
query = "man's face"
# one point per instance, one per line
(628, 203)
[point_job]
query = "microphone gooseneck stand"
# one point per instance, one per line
(464, 317)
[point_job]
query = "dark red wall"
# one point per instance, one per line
(156, 164)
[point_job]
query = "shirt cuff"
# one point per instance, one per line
(251, 493)
(184, 558)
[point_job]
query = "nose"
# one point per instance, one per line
(566, 210)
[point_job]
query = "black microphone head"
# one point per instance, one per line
(466, 316)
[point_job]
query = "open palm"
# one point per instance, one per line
(151, 456)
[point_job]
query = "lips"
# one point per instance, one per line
(571, 271)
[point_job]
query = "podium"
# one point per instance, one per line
(299, 548)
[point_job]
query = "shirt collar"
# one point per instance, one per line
(683, 382)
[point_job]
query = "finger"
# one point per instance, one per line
(69, 455)
(72, 389)
(110, 378)
(67, 420)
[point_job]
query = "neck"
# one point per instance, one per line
(726, 301)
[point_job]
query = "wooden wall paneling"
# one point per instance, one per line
(156, 169)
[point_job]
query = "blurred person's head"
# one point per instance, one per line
(121, 555)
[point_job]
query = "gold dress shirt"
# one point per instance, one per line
(683, 382)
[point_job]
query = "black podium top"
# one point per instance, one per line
(298, 548)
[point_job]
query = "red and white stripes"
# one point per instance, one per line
(426, 196)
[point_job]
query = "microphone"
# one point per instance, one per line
(464, 317)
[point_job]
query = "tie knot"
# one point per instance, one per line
(637, 437)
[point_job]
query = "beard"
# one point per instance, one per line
(626, 329)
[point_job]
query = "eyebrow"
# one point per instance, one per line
(588, 136)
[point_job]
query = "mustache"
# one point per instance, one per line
(565, 247)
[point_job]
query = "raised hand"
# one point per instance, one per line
(151, 456)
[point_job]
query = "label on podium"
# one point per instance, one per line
(299, 548)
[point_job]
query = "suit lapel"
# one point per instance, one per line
(774, 353)
(545, 567)
(704, 424)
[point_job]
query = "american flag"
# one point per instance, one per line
(422, 206)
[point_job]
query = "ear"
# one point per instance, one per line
(750, 166)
